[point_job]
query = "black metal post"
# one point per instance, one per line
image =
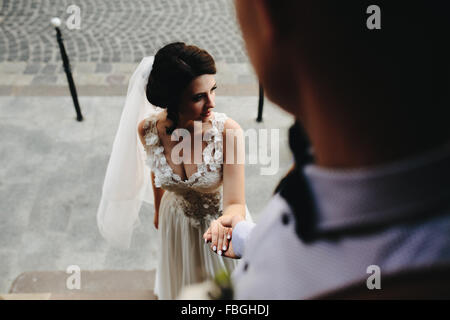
(260, 103)
(66, 64)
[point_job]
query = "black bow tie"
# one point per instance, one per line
(294, 187)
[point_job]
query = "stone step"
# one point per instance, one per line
(101, 284)
(106, 79)
(125, 295)
(46, 90)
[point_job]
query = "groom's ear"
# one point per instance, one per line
(255, 20)
(264, 20)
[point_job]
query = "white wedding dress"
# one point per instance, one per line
(186, 210)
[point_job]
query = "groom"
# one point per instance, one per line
(375, 191)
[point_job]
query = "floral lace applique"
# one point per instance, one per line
(199, 207)
(212, 154)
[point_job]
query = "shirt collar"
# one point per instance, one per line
(366, 196)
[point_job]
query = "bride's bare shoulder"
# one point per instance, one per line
(231, 130)
(231, 124)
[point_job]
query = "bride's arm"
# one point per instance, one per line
(157, 192)
(233, 169)
(233, 183)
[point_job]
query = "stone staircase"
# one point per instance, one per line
(95, 285)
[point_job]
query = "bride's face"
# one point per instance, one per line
(198, 98)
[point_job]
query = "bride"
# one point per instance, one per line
(181, 154)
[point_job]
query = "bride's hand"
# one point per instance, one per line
(219, 234)
(229, 253)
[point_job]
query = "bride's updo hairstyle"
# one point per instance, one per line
(174, 67)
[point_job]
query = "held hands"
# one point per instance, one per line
(219, 236)
(220, 233)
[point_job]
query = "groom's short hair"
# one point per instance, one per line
(409, 53)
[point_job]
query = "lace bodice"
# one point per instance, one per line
(201, 193)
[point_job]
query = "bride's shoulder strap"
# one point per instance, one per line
(219, 120)
(219, 116)
(149, 122)
(146, 126)
(148, 129)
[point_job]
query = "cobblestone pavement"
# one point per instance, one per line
(113, 37)
(117, 30)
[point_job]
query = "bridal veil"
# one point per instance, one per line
(127, 180)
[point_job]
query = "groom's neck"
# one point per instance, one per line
(351, 134)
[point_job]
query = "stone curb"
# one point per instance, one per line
(236, 90)
(36, 74)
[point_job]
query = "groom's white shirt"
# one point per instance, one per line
(276, 264)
